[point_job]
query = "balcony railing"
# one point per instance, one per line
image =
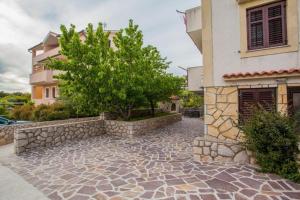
(43, 77)
(194, 25)
(45, 55)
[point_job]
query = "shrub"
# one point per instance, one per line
(40, 113)
(22, 112)
(58, 115)
(3, 111)
(272, 138)
(191, 100)
(56, 111)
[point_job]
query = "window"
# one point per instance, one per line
(267, 26)
(249, 99)
(54, 92)
(293, 100)
(47, 92)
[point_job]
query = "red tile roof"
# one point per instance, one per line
(280, 73)
(173, 97)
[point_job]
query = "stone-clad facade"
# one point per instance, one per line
(211, 149)
(222, 112)
(221, 120)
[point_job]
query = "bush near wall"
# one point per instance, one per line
(272, 138)
(56, 111)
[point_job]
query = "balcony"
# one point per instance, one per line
(194, 25)
(43, 77)
(45, 55)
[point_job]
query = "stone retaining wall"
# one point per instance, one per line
(55, 135)
(127, 129)
(49, 135)
(7, 132)
(210, 149)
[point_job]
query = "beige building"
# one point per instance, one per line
(250, 55)
(44, 87)
(195, 79)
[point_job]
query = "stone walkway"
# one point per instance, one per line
(155, 166)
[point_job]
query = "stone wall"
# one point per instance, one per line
(282, 102)
(221, 115)
(49, 135)
(55, 135)
(211, 149)
(128, 129)
(7, 132)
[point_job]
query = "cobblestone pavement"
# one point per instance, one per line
(155, 166)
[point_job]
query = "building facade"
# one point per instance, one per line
(250, 56)
(44, 86)
(195, 79)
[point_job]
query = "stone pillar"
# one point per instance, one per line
(282, 102)
(222, 139)
(221, 113)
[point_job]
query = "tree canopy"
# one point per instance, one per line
(98, 78)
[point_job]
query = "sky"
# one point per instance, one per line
(25, 23)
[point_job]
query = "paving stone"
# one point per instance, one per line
(261, 197)
(293, 195)
(175, 182)
(151, 185)
(221, 185)
(208, 197)
(224, 196)
(87, 190)
(157, 165)
(225, 177)
(248, 192)
(105, 187)
(250, 182)
(147, 195)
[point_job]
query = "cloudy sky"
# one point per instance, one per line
(25, 23)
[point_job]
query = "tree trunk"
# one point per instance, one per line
(152, 108)
(128, 113)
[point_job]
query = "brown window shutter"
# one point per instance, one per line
(267, 26)
(266, 99)
(255, 28)
(249, 99)
(277, 24)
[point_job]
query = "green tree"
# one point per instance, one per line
(191, 100)
(86, 69)
(97, 78)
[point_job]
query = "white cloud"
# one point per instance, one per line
(24, 23)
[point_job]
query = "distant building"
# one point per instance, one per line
(44, 87)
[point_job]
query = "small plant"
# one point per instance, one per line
(22, 112)
(272, 138)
